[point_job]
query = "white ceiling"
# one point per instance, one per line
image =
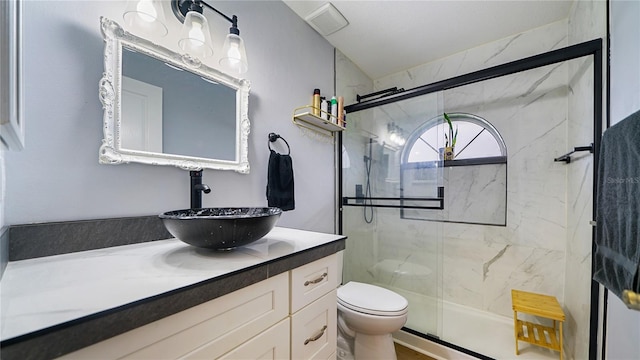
(387, 36)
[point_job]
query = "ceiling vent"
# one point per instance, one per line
(326, 20)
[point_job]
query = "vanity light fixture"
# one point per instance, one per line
(146, 16)
(196, 40)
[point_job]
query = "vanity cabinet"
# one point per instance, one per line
(314, 309)
(288, 316)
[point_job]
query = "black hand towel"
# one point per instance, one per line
(617, 255)
(280, 181)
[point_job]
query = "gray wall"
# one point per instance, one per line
(57, 177)
(623, 325)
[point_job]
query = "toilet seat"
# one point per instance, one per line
(371, 299)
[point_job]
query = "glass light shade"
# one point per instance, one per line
(195, 38)
(234, 56)
(145, 16)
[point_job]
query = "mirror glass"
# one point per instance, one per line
(164, 108)
(177, 98)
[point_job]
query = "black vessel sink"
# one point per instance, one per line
(220, 228)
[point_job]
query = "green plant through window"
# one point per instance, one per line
(450, 141)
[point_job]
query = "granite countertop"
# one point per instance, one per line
(92, 295)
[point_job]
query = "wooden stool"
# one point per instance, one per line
(539, 305)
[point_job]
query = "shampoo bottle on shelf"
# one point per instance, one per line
(340, 111)
(324, 108)
(327, 116)
(315, 107)
(334, 110)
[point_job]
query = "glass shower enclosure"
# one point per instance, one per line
(379, 185)
(435, 230)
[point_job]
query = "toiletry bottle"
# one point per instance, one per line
(340, 111)
(334, 110)
(323, 108)
(328, 114)
(316, 102)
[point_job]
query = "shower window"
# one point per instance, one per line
(472, 187)
(477, 138)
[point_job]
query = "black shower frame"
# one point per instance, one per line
(588, 48)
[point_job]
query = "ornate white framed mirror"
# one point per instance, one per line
(164, 108)
(12, 126)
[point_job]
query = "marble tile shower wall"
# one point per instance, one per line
(482, 263)
(472, 194)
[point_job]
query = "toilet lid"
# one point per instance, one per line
(371, 299)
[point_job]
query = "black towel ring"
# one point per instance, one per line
(273, 137)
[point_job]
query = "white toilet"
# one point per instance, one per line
(367, 315)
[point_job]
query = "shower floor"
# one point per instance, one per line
(482, 332)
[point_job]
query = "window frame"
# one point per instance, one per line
(456, 116)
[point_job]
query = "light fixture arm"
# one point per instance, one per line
(182, 7)
(233, 20)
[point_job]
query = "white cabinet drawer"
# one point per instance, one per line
(216, 326)
(311, 281)
(314, 329)
(271, 344)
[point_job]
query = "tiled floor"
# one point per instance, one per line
(404, 353)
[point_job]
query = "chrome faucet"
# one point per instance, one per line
(197, 188)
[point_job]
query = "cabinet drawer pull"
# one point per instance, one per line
(316, 336)
(315, 281)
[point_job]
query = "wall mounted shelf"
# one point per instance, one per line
(304, 117)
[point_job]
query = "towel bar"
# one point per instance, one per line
(567, 158)
(273, 137)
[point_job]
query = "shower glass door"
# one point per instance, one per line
(387, 170)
